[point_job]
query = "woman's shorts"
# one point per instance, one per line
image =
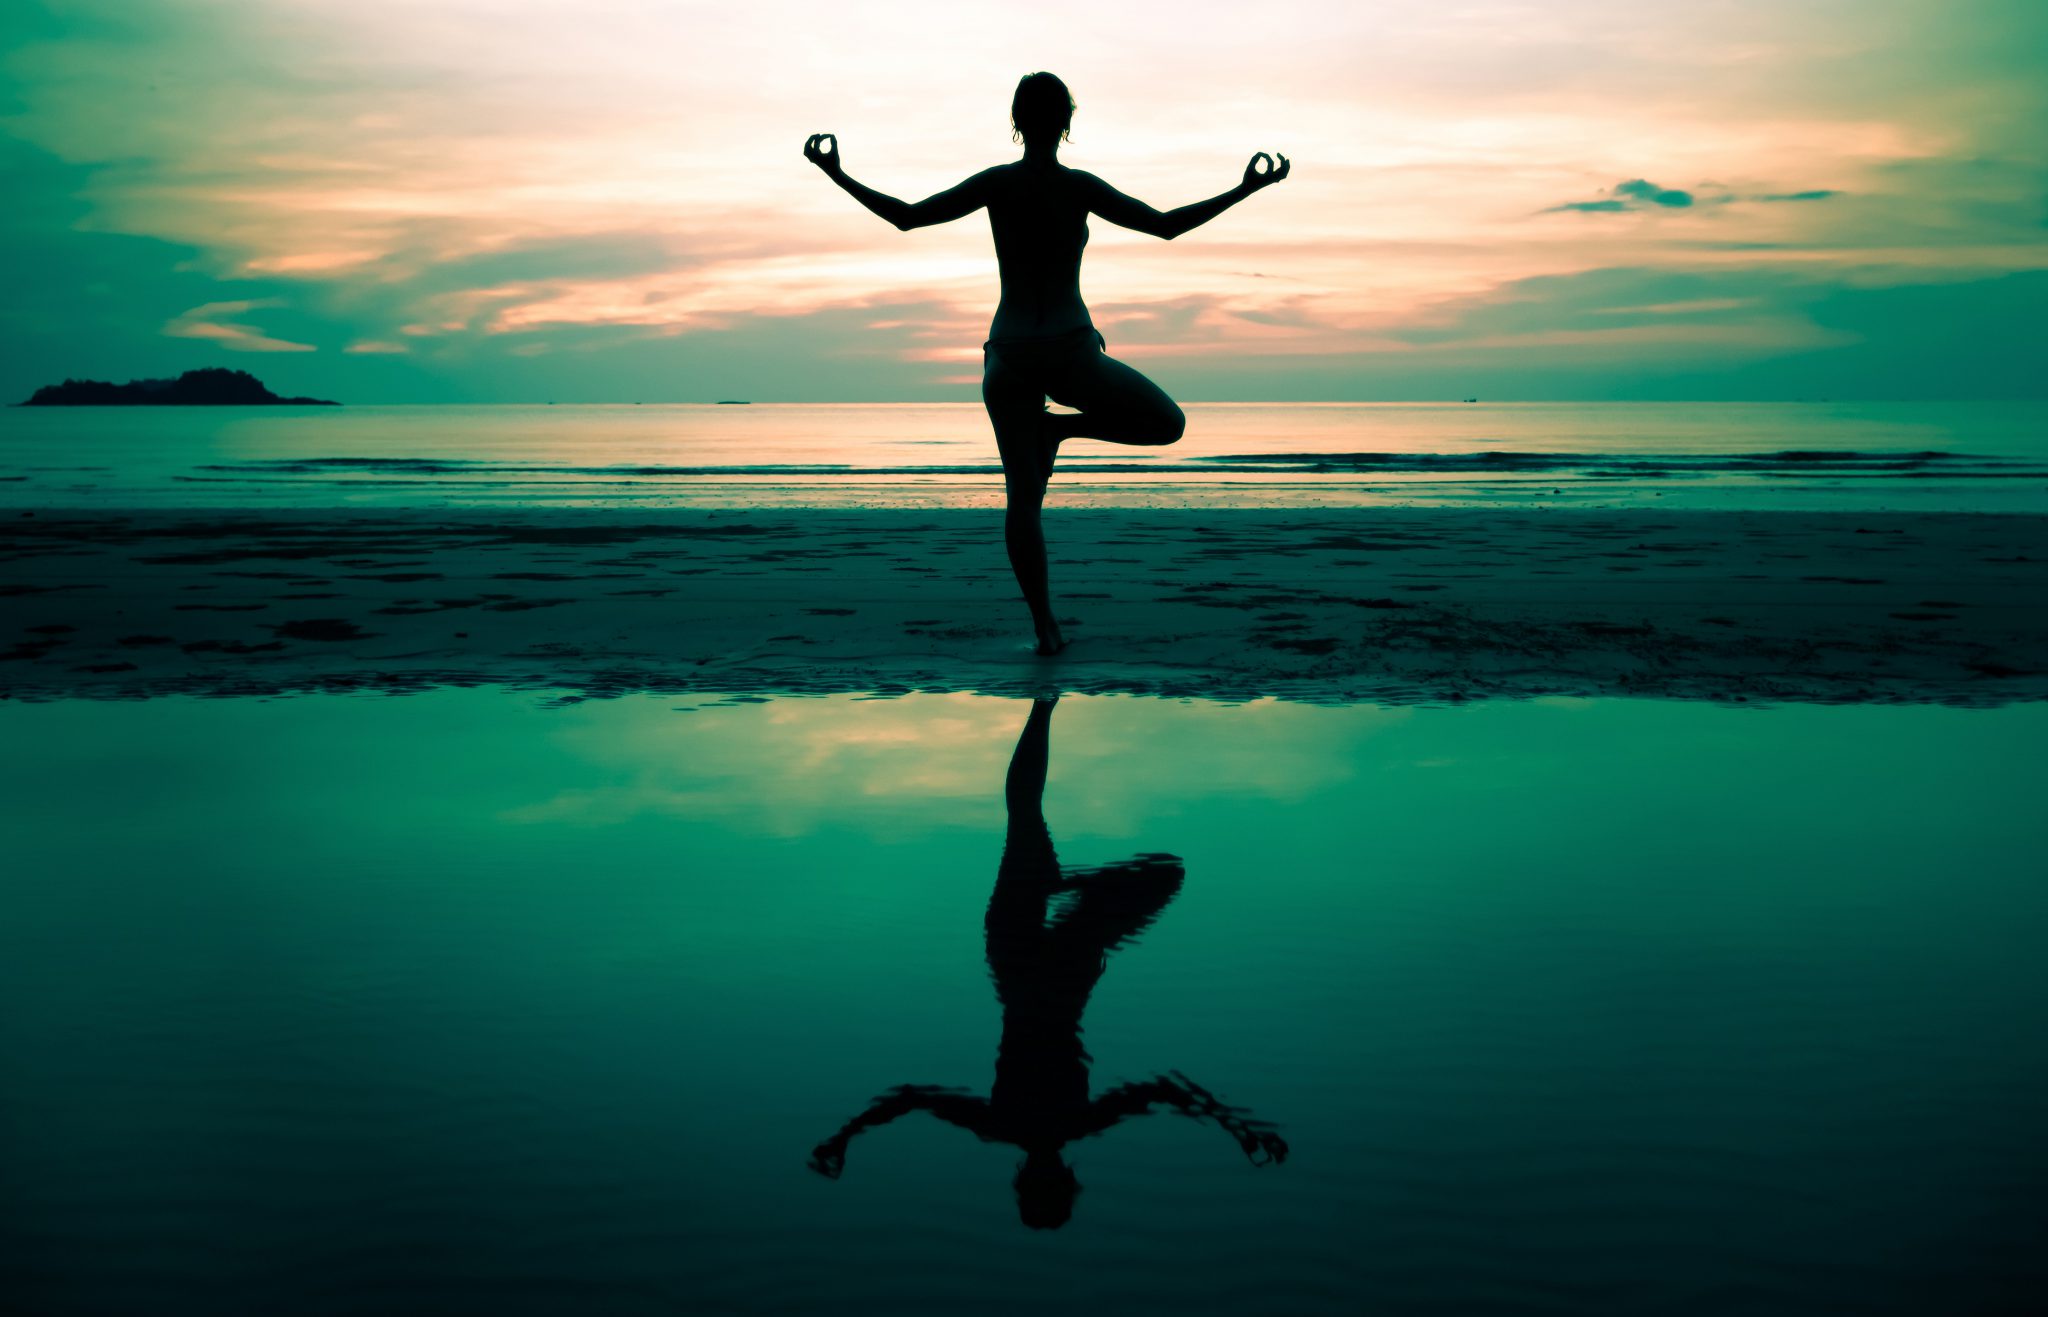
(1046, 363)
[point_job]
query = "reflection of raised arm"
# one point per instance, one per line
(951, 1105)
(1132, 213)
(962, 199)
(1262, 1144)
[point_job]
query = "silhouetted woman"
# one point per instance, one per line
(1042, 342)
(1045, 959)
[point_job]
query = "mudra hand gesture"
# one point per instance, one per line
(1254, 180)
(815, 151)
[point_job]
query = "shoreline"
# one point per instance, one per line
(1362, 605)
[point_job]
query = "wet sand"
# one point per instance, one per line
(1400, 605)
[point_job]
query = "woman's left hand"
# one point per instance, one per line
(1275, 171)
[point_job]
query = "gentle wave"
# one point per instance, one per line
(1697, 456)
(1788, 462)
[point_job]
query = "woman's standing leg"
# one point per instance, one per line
(1016, 407)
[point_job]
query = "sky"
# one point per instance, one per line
(531, 200)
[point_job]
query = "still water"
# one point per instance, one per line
(477, 1002)
(1951, 457)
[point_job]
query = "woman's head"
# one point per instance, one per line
(1042, 109)
(1046, 1189)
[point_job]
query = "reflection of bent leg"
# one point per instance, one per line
(1119, 901)
(1116, 403)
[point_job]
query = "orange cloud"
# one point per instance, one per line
(205, 322)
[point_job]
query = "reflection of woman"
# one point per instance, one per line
(1042, 341)
(1046, 958)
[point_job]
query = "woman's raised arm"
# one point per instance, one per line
(962, 199)
(1131, 213)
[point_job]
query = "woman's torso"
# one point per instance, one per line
(1040, 221)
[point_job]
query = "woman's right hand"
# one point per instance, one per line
(1275, 171)
(829, 1159)
(815, 152)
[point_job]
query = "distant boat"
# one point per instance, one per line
(1471, 400)
(735, 402)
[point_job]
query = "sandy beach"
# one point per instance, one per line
(1417, 605)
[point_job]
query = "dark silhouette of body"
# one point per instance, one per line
(1042, 342)
(1045, 960)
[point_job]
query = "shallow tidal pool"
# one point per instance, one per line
(475, 1001)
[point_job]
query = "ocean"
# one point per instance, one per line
(1776, 456)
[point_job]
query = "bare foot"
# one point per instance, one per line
(1050, 641)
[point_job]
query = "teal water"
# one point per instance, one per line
(1990, 456)
(461, 1002)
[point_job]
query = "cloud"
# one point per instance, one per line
(1787, 332)
(1638, 189)
(1641, 194)
(1634, 194)
(205, 322)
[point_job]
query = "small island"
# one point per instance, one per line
(212, 387)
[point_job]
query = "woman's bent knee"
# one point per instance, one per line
(1166, 427)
